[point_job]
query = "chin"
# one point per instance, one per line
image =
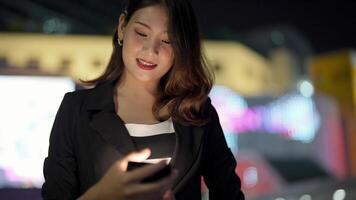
(147, 79)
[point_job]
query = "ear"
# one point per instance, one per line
(121, 26)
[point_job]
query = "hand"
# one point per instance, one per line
(119, 184)
(168, 195)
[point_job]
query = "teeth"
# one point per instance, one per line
(146, 63)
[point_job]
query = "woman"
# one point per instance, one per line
(153, 94)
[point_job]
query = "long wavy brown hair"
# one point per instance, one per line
(185, 87)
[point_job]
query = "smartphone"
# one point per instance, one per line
(165, 171)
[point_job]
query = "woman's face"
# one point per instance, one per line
(147, 52)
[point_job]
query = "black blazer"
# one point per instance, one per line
(88, 136)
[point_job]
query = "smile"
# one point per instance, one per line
(145, 65)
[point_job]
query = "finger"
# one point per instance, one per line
(159, 186)
(138, 156)
(168, 195)
(167, 182)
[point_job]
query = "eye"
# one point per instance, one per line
(166, 41)
(141, 34)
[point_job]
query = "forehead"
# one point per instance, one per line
(154, 16)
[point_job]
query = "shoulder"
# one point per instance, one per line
(209, 108)
(209, 112)
(75, 99)
(78, 95)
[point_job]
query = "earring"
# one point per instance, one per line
(119, 42)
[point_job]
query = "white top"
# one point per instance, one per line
(144, 130)
(148, 130)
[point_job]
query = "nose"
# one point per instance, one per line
(152, 47)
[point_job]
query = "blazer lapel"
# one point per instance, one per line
(113, 131)
(100, 105)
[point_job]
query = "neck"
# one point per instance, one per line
(128, 86)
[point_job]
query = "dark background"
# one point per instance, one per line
(327, 25)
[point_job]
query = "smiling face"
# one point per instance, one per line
(147, 53)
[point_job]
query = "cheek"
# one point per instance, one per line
(168, 55)
(132, 43)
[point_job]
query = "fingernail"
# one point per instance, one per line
(146, 150)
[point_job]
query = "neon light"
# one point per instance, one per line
(293, 116)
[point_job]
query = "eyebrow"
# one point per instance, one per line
(145, 25)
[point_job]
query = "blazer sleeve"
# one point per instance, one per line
(60, 167)
(219, 164)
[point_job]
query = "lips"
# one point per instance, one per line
(146, 65)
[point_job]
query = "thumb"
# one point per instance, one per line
(138, 156)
